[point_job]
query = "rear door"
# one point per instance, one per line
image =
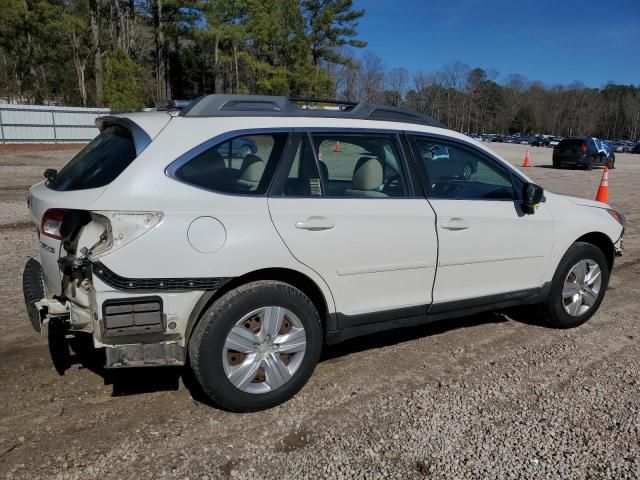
(347, 208)
(487, 245)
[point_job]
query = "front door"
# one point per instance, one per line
(488, 246)
(347, 210)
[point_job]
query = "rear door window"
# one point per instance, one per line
(99, 163)
(360, 165)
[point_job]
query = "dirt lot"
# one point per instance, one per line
(482, 397)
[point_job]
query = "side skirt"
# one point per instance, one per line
(350, 326)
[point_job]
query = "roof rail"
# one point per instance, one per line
(173, 105)
(217, 105)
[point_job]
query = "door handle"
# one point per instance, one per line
(315, 224)
(455, 224)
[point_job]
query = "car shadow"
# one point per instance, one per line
(133, 381)
(78, 351)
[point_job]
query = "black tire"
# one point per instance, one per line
(556, 165)
(612, 163)
(589, 165)
(206, 344)
(554, 307)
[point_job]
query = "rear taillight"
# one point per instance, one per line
(583, 148)
(52, 222)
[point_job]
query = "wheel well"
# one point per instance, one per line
(603, 242)
(292, 277)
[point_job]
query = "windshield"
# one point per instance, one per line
(99, 163)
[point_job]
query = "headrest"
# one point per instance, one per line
(252, 168)
(368, 174)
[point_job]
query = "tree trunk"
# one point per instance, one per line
(235, 66)
(161, 66)
(97, 51)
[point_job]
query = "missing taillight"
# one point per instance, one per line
(52, 223)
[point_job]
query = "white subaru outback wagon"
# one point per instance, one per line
(241, 234)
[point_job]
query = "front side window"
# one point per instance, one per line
(457, 172)
(360, 165)
(99, 163)
(243, 165)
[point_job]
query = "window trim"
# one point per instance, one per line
(171, 169)
(413, 186)
(511, 172)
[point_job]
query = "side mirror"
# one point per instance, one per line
(50, 174)
(531, 197)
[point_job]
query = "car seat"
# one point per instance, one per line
(367, 179)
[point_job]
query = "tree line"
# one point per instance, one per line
(129, 54)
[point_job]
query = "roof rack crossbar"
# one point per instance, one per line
(332, 101)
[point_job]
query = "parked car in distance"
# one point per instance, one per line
(636, 148)
(553, 141)
(585, 152)
(161, 247)
(539, 141)
(239, 147)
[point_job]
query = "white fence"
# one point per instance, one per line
(42, 124)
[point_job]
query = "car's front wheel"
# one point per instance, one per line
(578, 286)
(256, 346)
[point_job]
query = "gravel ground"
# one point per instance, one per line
(487, 396)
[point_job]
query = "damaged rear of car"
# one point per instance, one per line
(60, 289)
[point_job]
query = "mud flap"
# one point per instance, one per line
(33, 289)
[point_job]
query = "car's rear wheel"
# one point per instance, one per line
(589, 164)
(256, 346)
(578, 286)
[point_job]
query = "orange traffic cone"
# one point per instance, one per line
(337, 149)
(603, 189)
(526, 163)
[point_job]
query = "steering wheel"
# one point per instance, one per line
(446, 188)
(394, 182)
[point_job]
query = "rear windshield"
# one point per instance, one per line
(571, 143)
(99, 163)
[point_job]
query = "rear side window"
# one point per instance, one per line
(99, 163)
(243, 165)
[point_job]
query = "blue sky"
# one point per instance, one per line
(556, 42)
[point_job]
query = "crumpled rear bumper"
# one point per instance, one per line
(33, 290)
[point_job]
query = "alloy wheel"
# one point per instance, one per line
(581, 287)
